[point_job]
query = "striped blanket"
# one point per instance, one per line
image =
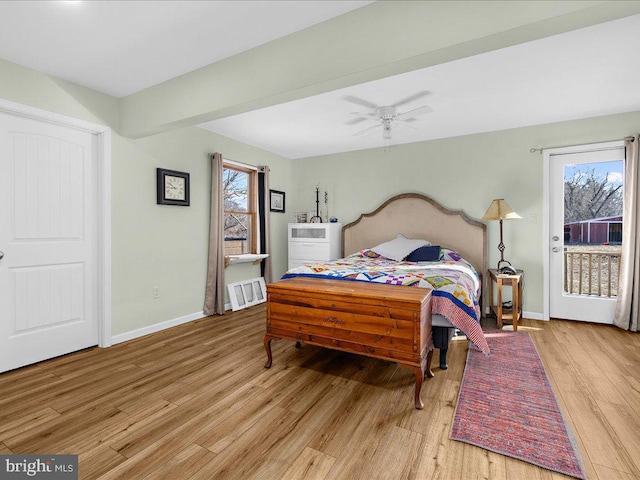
(455, 283)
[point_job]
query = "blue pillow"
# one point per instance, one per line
(428, 253)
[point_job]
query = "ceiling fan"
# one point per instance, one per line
(387, 116)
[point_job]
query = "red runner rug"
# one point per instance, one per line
(506, 405)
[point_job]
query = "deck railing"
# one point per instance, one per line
(591, 273)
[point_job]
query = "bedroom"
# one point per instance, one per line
(148, 242)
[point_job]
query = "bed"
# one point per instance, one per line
(415, 216)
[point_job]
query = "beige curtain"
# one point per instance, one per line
(214, 294)
(626, 315)
(266, 243)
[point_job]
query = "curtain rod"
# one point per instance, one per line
(534, 150)
(237, 164)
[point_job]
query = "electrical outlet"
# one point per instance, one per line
(156, 292)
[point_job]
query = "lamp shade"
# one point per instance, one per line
(499, 210)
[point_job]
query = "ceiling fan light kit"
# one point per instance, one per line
(386, 129)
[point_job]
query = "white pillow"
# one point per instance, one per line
(399, 248)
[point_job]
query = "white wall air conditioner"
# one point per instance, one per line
(247, 293)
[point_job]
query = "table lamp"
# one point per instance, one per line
(500, 210)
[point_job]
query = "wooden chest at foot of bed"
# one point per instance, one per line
(382, 321)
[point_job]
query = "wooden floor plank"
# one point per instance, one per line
(354, 456)
(242, 417)
(35, 418)
(98, 461)
(350, 423)
(126, 426)
(187, 421)
(243, 456)
(276, 456)
(388, 462)
(450, 461)
(196, 400)
(59, 435)
(626, 425)
(604, 473)
(310, 465)
(185, 464)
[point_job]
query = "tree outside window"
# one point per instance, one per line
(239, 210)
(592, 192)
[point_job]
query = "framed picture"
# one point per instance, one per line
(276, 201)
(172, 187)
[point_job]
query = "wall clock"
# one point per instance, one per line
(172, 187)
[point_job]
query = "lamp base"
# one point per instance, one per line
(505, 268)
(503, 261)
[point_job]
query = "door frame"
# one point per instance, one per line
(546, 206)
(103, 155)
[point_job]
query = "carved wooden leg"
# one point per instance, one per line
(298, 345)
(419, 373)
(267, 347)
(428, 369)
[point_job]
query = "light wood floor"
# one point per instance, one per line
(194, 402)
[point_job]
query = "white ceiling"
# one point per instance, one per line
(121, 47)
(584, 73)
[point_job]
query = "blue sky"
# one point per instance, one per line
(613, 170)
(238, 185)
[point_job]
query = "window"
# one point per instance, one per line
(240, 209)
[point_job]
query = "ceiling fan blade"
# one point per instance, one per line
(355, 121)
(367, 130)
(360, 101)
(408, 127)
(411, 98)
(362, 117)
(371, 116)
(416, 111)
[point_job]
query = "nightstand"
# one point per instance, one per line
(513, 314)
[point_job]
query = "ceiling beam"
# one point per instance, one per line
(381, 39)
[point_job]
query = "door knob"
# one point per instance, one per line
(555, 238)
(556, 249)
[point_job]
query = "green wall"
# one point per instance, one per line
(153, 245)
(166, 246)
(461, 173)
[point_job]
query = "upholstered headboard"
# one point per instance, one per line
(418, 216)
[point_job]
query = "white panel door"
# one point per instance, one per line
(48, 234)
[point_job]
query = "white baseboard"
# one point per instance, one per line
(156, 327)
(529, 315)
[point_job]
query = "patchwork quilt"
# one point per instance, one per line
(455, 283)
